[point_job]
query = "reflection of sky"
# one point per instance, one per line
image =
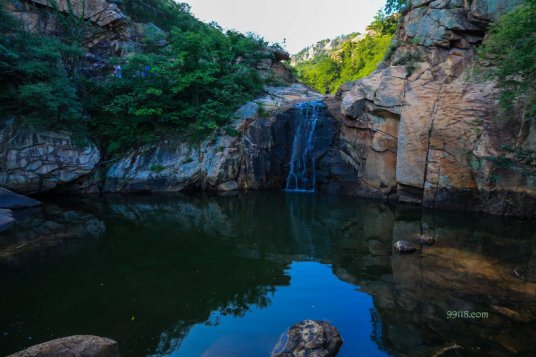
(314, 293)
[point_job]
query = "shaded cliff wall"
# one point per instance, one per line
(425, 129)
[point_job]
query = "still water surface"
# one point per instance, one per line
(196, 275)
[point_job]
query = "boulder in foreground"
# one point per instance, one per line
(309, 338)
(404, 247)
(73, 346)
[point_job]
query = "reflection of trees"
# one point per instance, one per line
(47, 232)
(139, 280)
(470, 268)
(174, 261)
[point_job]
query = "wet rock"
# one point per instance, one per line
(404, 247)
(309, 338)
(426, 239)
(6, 220)
(11, 200)
(73, 346)
(228, 186)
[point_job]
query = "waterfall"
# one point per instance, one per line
(302, 174)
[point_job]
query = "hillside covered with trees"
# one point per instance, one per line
(352, 57)
(182, 76)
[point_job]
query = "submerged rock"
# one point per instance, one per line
(404, 247)
(426, 239)
(73, 346)
(6, 220)
(309, 338)
(11, 200)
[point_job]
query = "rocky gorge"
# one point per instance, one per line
(422, 129)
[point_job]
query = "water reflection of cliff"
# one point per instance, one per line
(165, 263)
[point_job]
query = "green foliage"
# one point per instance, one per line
(354, 60)
(157, 168)
(410, 59)
(34, 81)
(393, 6)
(511, 49)
(165, 14)
(189, 87)
(354, 57)
(384, 24)
(192, 88)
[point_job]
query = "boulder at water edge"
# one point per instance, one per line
(11, 200)
(73, 346)
(404, 247)
(309, 338)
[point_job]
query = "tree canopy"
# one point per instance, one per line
(354, 58)
(189, 87)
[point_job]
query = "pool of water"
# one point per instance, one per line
(198, 275)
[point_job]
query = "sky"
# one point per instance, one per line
(300, 22)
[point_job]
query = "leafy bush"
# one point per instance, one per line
(34, 82)
(353, 61)
(511, 49)
(189, 87)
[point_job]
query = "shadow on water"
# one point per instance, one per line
(187, 275)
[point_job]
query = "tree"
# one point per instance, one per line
(394, 6)
(511, 49)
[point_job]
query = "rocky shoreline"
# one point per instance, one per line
(422, 129)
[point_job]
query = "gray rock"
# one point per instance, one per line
(11, 200)
(228, 186)
(38, 161)
(404, 247)
(309, 338)
(73, 346)
(6, 220)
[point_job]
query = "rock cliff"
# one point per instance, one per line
(33, 161)
(251, 153)
(425, 129)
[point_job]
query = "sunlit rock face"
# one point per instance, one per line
(424, 129)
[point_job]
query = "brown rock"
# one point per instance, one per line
(73, 346)
(309, 338)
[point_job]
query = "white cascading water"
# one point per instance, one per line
(302, 174)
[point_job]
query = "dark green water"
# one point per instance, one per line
(176, 275)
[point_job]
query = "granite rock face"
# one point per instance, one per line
(251, 153)
(39, 161)
(424, 129)
(309, 338)
(73, 346)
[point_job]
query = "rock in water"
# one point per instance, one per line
(6, 219)
(73, 346)
(426, 239)
(11, 200)
(404, 247)
(309, 339)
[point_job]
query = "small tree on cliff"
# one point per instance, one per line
(511, 48)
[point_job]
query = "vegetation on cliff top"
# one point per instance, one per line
(190, 85)
(511, 49)
(354, 58)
